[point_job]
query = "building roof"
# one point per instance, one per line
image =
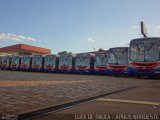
(25, 48)
(94, 52)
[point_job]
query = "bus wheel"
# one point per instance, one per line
(131, 75)
(151, 76)
(115, 75)
(138, 76)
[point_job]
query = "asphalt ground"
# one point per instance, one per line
(23, 92)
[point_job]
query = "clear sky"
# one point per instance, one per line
(76, 25)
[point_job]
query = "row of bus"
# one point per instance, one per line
(142, 57)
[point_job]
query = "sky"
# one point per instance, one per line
(76, 25)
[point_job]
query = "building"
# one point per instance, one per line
(23, 49)
(94, 52)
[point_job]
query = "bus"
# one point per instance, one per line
(66, 62)
(5, 62)
(26, 62)
(51, 63)
(37, 63)
(84, 63)
(0, 61)
(15, 62)
(101, 62)
(144, 57)
(118, 61)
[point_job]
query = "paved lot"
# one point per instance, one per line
(139, 96)
(139, 102)
(22, 92)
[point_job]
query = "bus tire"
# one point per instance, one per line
(115, 75)
(138, 76)
(151, 76)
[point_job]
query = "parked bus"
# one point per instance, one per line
(6, 61)
(15, 62)
(66, 62)
(144, 56)
(37, 62)
(0, 61)
(51, 63)
(26, 62)
(101, 62)
(84, 63)
(118, 61)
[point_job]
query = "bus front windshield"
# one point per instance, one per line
(145, 52)
(15, 60)
(83, 61)
(101, 60)
(65, 60)
(5, 60)
(37, 60)
(25, 60)
(50, 60)
(118, 57)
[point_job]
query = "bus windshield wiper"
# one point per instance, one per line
(150, 46)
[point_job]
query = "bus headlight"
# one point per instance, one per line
(126, 68)
(131, 66)
(157, 67)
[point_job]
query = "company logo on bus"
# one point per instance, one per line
(64, 67)
(101, 67)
